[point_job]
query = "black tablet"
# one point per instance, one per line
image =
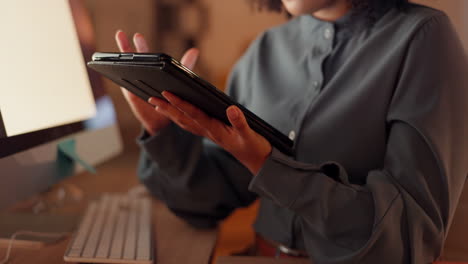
(149, 74)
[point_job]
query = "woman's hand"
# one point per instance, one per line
(240, 140)
(151, 120)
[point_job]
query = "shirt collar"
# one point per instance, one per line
(352, 22)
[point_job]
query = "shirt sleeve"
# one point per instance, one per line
(403, 211)
(198, 181)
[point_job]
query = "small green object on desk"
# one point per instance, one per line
(67, 156)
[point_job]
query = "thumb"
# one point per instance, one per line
(237, 119)
(190, 58)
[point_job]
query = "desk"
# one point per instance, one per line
(175, 241)
(118, 175)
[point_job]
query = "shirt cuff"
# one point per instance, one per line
(283, 179)
(144, 135)
(167, 146)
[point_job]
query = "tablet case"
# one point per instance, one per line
(148, 75)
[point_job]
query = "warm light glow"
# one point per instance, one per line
(43, 76)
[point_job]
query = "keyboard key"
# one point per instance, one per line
(115, 229)
(131, 234)
(105, 243)
(85, 226)
(144, 233)
(95, 234)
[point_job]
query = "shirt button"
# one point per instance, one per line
(328, 33)
(292, 135)
(316, 84)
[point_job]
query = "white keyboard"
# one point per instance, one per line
(114, 229)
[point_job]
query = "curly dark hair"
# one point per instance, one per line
(369, 7)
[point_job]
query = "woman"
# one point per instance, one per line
(372, 92)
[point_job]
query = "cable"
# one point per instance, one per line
(29, 233)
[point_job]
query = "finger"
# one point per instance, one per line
(213, 128)
(122, 41)
(130, 96)
(190, 58)
(188, 109)
(125, 92)
(176, 116)
(237, 119)
(140, 43)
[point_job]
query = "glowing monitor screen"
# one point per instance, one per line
(44, 82)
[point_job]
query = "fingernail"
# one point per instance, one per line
(152, 101)
(233, 114)
(137, 38)
(166, 95)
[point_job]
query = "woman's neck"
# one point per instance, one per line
(333, 11)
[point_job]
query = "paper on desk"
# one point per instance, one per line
(67, 149)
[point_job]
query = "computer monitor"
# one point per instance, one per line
(47, 95)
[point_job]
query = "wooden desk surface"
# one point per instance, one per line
(175, 241)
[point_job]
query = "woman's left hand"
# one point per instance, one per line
(240, 140)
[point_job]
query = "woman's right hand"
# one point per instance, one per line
(151, 120)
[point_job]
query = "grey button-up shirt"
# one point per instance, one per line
(379, 118)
